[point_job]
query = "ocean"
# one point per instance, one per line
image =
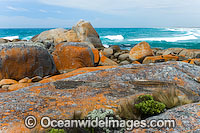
(126, 38)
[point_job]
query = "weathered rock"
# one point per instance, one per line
(190, 53)
(155, 50)
(156, 59)
(108, 52)
(86, 33)
(136, 62)
(16, 40)
(3, 40)
(115, 48)
(18, 86)
(173, 51)
(36, 79)
(123, 57)
(140, 51)
(5, 87)
(25, 59)
(7, 82)
(70, 55)
(72, 36)
(194, 61)
(25, 80)
(54, 35)
(116, 55)
(124, 62)
(104, 61)
(186, 119)
(97, 89)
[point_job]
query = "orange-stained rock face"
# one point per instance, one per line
(136, 62)
(163, 58)
(96, 56)
(86, 33)
(74, 73)
(25, 80)
(140, 51)
(194, 61)
(18, 86)
(97, 89)
(7, 82)
(69, 56)
(94, 90)
(21, 59)
(104, 61)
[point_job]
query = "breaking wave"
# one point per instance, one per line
(115, 37)
(11, 37)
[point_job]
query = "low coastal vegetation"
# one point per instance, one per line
(138, 108)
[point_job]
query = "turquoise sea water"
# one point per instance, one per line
(128, 37)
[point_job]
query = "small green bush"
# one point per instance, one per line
(150, 107)
(142, 98)
(53, 130)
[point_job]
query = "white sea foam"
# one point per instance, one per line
(115, 37)
(11, 37)
(106, 46)
(27, 38)
(167, 39)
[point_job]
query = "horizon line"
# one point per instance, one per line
(94, 27)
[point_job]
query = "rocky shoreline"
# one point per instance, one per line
(61, 71)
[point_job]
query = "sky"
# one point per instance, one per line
(101, 13)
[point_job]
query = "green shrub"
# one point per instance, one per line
(53, 130)
(142, 98)
(150, 107)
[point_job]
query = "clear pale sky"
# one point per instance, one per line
(101, 13)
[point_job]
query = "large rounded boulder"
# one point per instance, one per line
(25, 59)
(140, 51)
(86, 33)
(72, 55)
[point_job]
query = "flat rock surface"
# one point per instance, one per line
(93, 90)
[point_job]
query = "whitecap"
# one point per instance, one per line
(11, 37)
(167, 39)
(27, 38)
(106, 46)
(114, 37)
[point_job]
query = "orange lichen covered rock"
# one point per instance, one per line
(70, 55)
(7, 82)
(86, 33)
(155, 59)
(25, 80)
(18, 86)
(136, 62)
(25, 59)
(194, 61)
(98, 89)
(104, 61)
(74, 73)
(140, 51)
(96, 56)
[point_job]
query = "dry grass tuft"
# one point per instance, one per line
(170, 97)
